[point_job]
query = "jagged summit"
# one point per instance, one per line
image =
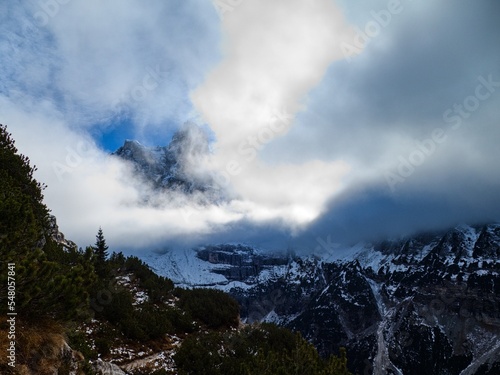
(178, 166)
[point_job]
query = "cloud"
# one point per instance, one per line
(274, 54)
(87, 188)
(72, 69)
(103, 61)
(388, 102)
(304, 135)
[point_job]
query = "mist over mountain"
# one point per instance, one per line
(180, 175)
(181, 167)
(422, 303)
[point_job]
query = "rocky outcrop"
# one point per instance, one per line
(47, 354)
(107, 368)
(58, 236)
(243, 261)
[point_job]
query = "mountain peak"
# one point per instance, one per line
(177, 166)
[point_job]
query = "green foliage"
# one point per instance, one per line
(105, 336)
(120, 308)
(46, 287)
(23, 215)
(263, 350)
(22, 212)
(152, 319)
(145, 323)
(182, 321)
(149, 323)
(48, 281)
(116, 261)
(100, 254)
(213, 307)
(157, 287)
(78, 341)
(103, 346)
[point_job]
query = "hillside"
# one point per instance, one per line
(66, 310)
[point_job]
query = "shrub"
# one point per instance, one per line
(261, 350)
(214, 308)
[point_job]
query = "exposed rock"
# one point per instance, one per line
(107, 368)
(58, 236)
(244, 262)
(429, 304)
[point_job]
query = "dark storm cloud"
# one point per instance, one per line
(407, 76)
(372, 110)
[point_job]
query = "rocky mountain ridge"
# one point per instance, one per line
(175, 168)
(425, 304)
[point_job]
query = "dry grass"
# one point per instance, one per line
(39, 347)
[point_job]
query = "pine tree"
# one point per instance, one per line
(23, 214)
(100, 254)
(49, 281)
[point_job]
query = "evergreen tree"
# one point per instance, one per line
(23, 215)
(265, 349)
(100, 254)
(49, 281)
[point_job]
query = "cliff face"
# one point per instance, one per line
(426, 304)
(244, 263)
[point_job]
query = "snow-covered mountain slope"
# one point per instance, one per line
(426, 304)
(223, 267)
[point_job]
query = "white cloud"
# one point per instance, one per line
(102, 60)
(71, 66)
(274, 53)
(87, 188)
